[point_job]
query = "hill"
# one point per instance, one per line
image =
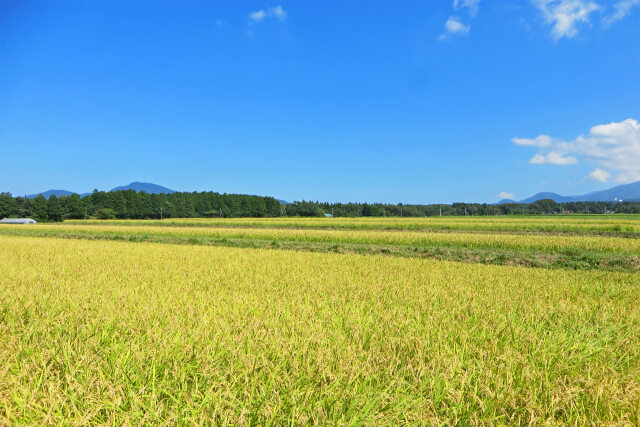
(630, 192)
(625, 192)
(137, 186)
(145, 186)
(48, 194)
(546, 195)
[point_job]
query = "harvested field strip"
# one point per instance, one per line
(575, 261)
(555, 244)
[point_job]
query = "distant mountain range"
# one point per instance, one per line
(626, 192)
(137, 186)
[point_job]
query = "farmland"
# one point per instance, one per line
(609, 243)
(583, 224)
(323, 321)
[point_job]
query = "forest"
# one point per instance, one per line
(130, 204)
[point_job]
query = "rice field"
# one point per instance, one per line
(588, 224)
(101, 324)
(553, 243)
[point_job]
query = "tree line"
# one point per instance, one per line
(540, 207)
(129, 204)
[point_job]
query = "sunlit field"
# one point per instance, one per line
(290, 321)
(606, 242)
(557, 223)
(561, 243)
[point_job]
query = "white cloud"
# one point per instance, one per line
(504, 195)
(600, 175)
(565, 15)
(279, 13)
(454, 26)
(276, 12)
(472, 5)
(614, 146)
(553, 158)
(620, 10)
(539, 141)
(258, 15)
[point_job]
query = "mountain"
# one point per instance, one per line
(628, 192)
(145, 186)
(137, 186)
(505, 201)
(48, 194)
(545, 195)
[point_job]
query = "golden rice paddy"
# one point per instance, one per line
(106, 332)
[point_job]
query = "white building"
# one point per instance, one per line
(17, 221)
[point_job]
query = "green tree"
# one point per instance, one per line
(54, 209)
(72, 207)
(8, 205)
(38, 208)
(105, 213)
(545, 206)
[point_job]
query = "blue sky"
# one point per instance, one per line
(392, 101)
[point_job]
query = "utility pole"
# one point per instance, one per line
(440, 210)
(160, 213)
(221, 213)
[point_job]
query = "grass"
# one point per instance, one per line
(103, 332)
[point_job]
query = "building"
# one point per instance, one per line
(17, 221)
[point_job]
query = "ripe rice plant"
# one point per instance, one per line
(101, 332)
(502, 241)
(585, 224)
